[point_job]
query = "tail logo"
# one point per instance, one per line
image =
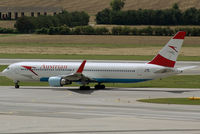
(174, 48)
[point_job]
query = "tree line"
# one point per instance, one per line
(173, 16)
(29, 24)
(119, 30)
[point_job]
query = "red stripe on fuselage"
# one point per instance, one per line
(162, 61)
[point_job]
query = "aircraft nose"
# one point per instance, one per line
(5, 72)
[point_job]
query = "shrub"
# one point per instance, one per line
(42, 31)
(116, 30)
(54, 30)
(101, 31)
(84, 30)
(88, 30)
(134, 31)
(64, 30)
(146, 31)
(125, 31)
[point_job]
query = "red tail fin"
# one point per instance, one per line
(168, 55)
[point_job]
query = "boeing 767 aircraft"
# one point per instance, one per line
(58, 74)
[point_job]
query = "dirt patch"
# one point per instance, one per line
(93, 51)
(93, 6)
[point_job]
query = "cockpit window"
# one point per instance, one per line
(7, 68)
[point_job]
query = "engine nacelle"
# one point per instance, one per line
(58, 81)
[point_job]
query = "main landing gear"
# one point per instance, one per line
(17, 84)
(99, 86)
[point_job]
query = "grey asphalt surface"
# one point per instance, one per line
(193, 71)
(44, 110)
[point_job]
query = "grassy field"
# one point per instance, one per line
(91, 40)
(91, 57)
(91, 47)
(183, 101)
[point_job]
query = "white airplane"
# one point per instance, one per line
(58, 74)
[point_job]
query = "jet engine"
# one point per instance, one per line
(58, 81)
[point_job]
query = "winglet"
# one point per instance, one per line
(80, 69)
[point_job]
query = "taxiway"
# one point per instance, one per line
(42, 110)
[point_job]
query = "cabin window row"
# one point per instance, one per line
(110, 70)
(91, 70)
(48, 69)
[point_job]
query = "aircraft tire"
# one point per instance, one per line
(16, 86)
(99, 86)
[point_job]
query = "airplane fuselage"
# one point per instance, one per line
(101, 72)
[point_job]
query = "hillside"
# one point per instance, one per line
(93, 6)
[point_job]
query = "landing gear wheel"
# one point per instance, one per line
(99, 86)
(84, 87)
(17, 84)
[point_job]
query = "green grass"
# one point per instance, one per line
(91, 57)
(179, 81)
(183, 101)
(7, 35)
(183, 81)
(86, 45)
(80, 45)
(2, 67)
(74, 56)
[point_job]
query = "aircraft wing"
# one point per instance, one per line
(78, 76)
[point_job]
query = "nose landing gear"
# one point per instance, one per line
(16, 84)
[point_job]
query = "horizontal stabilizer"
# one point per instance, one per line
(186, 68)
(165, 71)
